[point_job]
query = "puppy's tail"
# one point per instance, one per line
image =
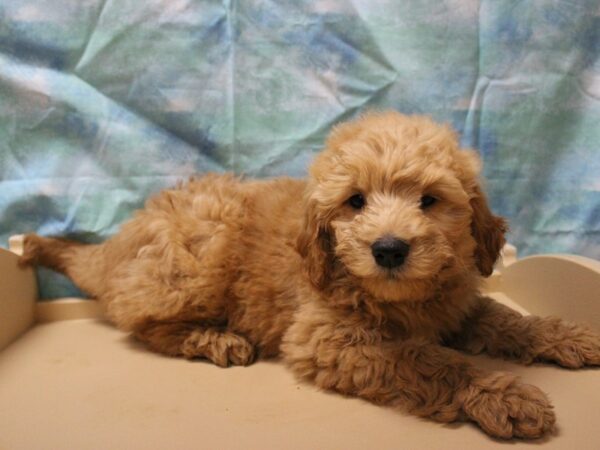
(74, 259)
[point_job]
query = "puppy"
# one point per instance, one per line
(364, 278)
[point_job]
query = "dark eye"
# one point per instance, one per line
(427, 201)
(357, 201)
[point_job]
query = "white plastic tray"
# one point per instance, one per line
(81, 384)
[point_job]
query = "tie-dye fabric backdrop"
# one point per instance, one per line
(103, 102)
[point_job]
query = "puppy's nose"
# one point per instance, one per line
(390, 252)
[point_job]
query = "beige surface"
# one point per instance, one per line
(567, 286)
(18, 294)
(81, 384)
(66, 309)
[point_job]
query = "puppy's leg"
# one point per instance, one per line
(501, 331)
(426, 379)
(193, 341)
(80, 262)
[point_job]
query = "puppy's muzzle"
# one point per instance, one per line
(389, 252)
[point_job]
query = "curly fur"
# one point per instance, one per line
(228, 269)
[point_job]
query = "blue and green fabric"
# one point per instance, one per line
(104, 102)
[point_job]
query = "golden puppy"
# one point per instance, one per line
(361, 278)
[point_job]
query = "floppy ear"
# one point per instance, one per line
(314, 245)
(488, 231)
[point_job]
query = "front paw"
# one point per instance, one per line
(570, 345)
(222, 348)
(505, 408)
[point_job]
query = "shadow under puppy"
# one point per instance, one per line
(364, 278)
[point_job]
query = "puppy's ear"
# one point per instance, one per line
(488, 231)
(314, 245)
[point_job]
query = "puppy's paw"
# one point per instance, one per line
(222, 348)
(572, 346)
(239, 351)
(505, 408)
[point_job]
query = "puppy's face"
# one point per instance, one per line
(394, 203)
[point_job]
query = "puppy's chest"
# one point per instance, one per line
(424, 320)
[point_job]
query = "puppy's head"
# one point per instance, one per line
(393, 204)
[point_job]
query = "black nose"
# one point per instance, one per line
(390, 252)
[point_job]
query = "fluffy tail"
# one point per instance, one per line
(71, 258)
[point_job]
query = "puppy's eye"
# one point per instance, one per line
(357, 201)
(427, 201)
